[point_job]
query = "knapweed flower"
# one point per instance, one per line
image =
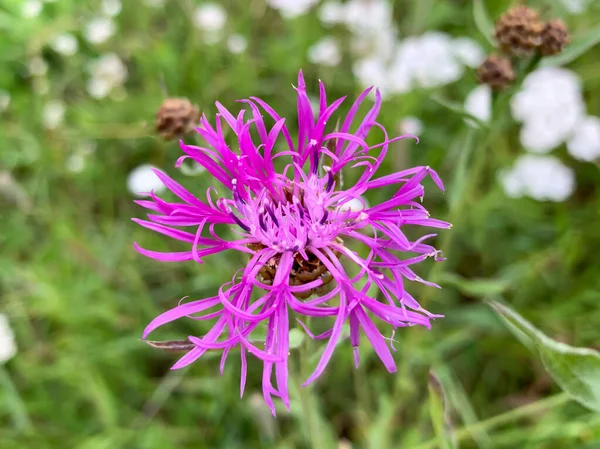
(300, 240)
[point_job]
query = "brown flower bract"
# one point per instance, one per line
(519, 31)
(176, 117)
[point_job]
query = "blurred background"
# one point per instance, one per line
(81, 82)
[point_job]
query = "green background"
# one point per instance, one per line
(79, 296)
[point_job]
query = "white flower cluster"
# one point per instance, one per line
(575, 6)
(4, 100)
(31, 9)
(101, 28)
(479, 103)
(550, 106)
(53, 114)
(542, 177)
(8, 347)
(142, 180)
(552, 111)
(325, 52)
(210, 18)
(107, 73)
(397, 66)
(292, 8)
(66, 44)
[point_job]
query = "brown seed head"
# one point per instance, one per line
(554, 37)
(176, 117)
(496, 71)
(519, 31)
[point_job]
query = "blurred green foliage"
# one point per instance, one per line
(78, 295)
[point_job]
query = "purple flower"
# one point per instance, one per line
(299, 235)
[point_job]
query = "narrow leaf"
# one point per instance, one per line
(439, 413)
(578, 47)
(478, 287)
(459, 110)
(172, 345)
(483, 22)
(466, 144)
(575, 370)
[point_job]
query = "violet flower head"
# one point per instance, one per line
(309, 254)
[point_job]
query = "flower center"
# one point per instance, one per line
(303, 271)
(300, 217)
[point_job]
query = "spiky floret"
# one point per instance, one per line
(297, 232)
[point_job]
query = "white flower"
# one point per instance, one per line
(427, 61)
(371, 72)
(468, 51)
(75, 163)
(292, 8)
(53, 114)
(31, 8)
(377, 45)
(109, 66)
(411, 125)
(545, 88)
(552, 126)
(98, 87)
(192, 169)
(99, 30)
(8, 347)
(4, 100)
(236, 44)
(550, 105)
(479, 103)
(37, 66)
(585, 142)
(542, 136)
(436, 64)
(575, 6)
(325, 52)
(65, 44)
(332, 12)
(210, 17)
(355, 205)
(544, 178)
(107, 73)
(368, 16)
(315, 105)
(142, 180)
(111, 8)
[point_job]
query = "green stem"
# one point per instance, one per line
(504, 418)
(17, 406)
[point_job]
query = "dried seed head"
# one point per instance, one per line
(496, 71)
(554, 37)
(519, 31)
(176, 117)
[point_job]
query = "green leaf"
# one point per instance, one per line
(474, 287)
(483, 22)
(458, 109)
(578, 47)
(439, 413)
(466, 144)
(575, 370)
